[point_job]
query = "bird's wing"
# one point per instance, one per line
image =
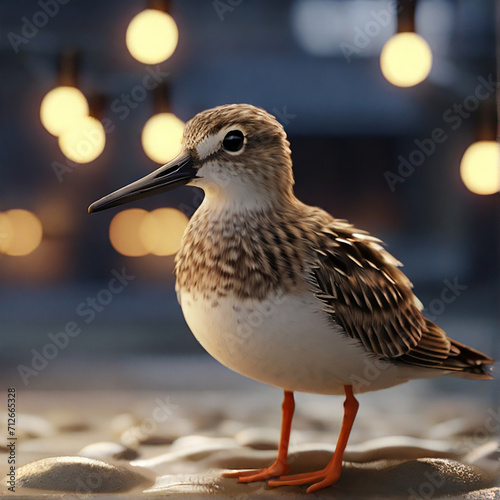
(364, 292)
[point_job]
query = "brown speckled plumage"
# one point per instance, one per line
(249, 256)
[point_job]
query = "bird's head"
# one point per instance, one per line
(236, 153)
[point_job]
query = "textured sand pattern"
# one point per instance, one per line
(143, 445)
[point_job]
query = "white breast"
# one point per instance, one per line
(287, 342)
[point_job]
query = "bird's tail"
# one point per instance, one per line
(468, 362)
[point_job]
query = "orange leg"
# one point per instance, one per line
(331, 473)
(280, 465)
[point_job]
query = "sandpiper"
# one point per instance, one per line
(284, 293)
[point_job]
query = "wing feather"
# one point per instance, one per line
(364, 291)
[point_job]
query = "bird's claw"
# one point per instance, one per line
(250, 476)
(322, 479)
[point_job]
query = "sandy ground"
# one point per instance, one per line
(408, 442)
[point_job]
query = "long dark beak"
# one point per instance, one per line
(175, 173)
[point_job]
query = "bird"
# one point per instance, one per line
(283, 292)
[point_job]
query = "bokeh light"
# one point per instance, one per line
(84, 141)
(162, 229)
(124, 232)
(406, 59)
(21, 232)
(152, 36)
(161, 137)
(480, 167)
(136, 232)
(61, 107)
(6, 232)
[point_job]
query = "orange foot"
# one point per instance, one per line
(249, 476)
(324, 477)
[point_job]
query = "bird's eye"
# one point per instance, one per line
(233, 141)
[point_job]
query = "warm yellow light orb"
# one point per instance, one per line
(162, 229)
(406, 59)
(124, 232)
(480, 167)
(61, 107)
(152, 36)
(84, 141)
(24, 232)
(161, 137)
(6, 232)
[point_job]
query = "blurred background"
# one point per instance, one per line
(380, 133)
